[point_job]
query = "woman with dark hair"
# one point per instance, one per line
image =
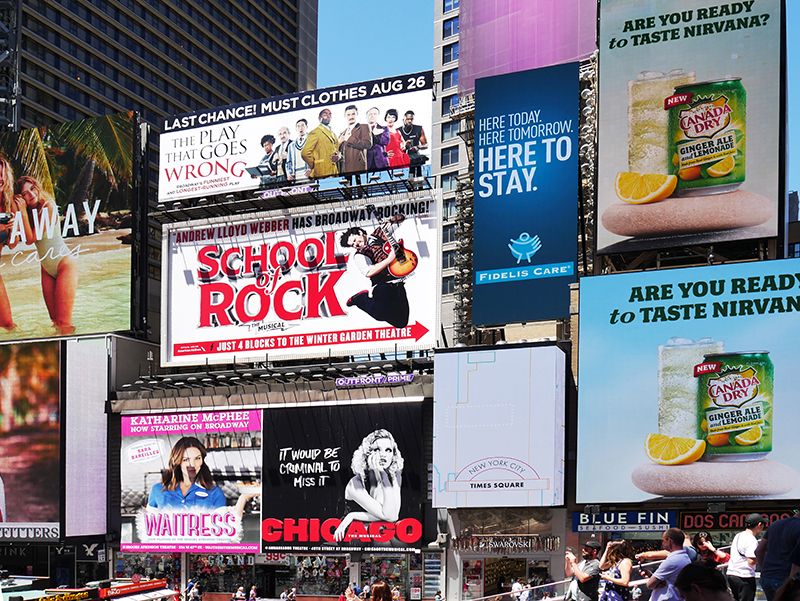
(187, 481)
(6, 225)
(381, 592)
(395, 148)
(616, 561)
(701, 582)
(705, 549)
(375, 487)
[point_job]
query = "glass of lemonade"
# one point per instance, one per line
(648, 122)
(677, 386)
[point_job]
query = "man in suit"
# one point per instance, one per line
(321, 150)
(354, 142)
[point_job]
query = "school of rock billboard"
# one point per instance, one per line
(690, 373)
(526, 194)
(477, 460)
(30, 442)
(346, 278)
(66, 193)
(346, 477)
(689, 137)
(191, 482)
(373, 126)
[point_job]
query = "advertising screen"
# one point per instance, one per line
(343, 279)
(370, 126)
(30, 442)
(690, 105)
(65, 228)
(498, 424)
(344, 477)
(685, 387)
(191, 482)
(526, 195)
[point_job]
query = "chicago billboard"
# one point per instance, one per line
(526, 195)
(346, 477)
(66, 193)
(368, 126)
(689, 137)
(478, 460)
(689, 373)
(191, 482)
(347, 278)
(30, 441)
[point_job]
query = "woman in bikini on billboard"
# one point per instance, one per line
(6, 225)
(375, 487)
(59, 268)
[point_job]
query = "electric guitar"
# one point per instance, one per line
(405, 261)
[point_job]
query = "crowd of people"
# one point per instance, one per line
(693, 569)
(377, 591)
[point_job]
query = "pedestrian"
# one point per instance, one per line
(702, 582)
(774, 553)
(742, 564)
(292, 595)
(516, 589)
(616, 575)
(585, 573)
(662, 581)
(704, 545)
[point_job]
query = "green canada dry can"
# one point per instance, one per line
(734, 404)
(706, 139)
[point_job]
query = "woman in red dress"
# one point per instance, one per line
(395, 149)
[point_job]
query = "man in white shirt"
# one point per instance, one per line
(516, 588)
(742, 565)
(662, 582)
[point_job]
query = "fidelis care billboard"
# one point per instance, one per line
(348, 477)
(66, 223)
(690, 105)
(526, 194)
(345, 278)
(373, 126)
(701, 382)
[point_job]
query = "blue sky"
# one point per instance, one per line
(361, 40)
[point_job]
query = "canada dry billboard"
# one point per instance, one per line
(690, 372)
(690, 105)
(493, 453)
(65, 218)
(343, 279)
(373, 126)
(30, 458)
(526, 194)
(347, 477)
(191, 482)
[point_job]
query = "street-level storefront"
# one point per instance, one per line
(722, 526)
(495, 547)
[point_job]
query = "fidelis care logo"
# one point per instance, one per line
(525, 247)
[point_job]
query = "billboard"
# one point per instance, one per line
(526, 195)
(191, 482)
(686, 384)
(368, 126)
(689, 137)
(482, 397)
(30, 441)
(65, 220)
(624, 521)
(347, 477)
(346, 278)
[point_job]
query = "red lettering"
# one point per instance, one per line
(241, 303)
(288, 256)
(250, 258)
(317, 253)
(206, 257)
(357, 530)
(408, 530)
(298, 528)
(381, 532)
(271, 530)
(280, 309)
(332, 258)
(226, 260)
(208, 309)
(327, 529)
(318, 294)
(313, 535)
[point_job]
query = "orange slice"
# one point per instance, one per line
(724, 167)
(751, 436)
(666, 450)
(641, 188)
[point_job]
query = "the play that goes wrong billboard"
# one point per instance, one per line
(687, 381)
(526, 194)
(343, 279)
(370, 126)
(689, 99)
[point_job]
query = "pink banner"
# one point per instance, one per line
(190, 548)
(191, 423)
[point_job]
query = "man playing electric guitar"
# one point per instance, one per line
(375, 258)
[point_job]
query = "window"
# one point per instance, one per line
(448, 259)
(450, 5)
(450, 53)
(449, 182)
(448, 285)
(448, 102)
(449, 209)
(448, 233)
(450, 79)
(449, 130)
(449, 156)
(450, 27)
